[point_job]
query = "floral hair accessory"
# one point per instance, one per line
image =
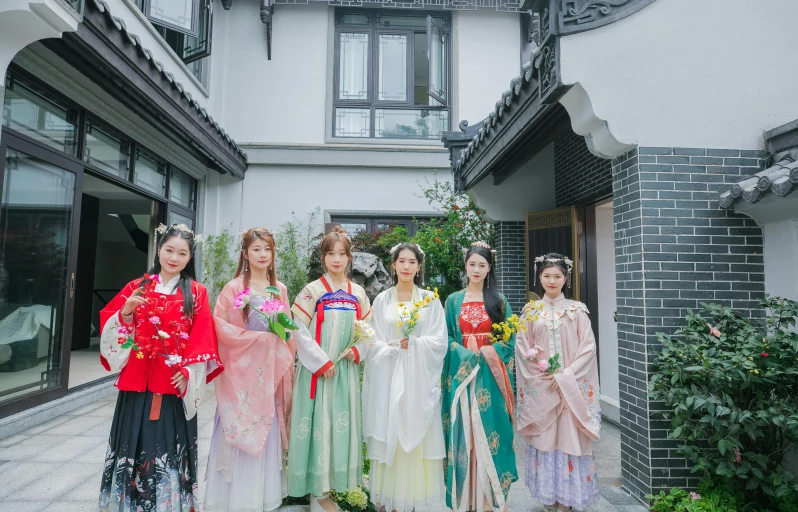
(395, 247)
(484, 245)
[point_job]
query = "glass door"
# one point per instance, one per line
(38, 241)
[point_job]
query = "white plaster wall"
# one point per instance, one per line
(136, 23)
(529, 189)
(282, 100)
(608, 330)
(486, 48)
(690, 73)
(781, 258)
(271, 193)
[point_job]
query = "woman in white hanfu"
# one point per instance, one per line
(402, 390)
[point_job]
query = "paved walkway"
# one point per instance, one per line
(56, 466)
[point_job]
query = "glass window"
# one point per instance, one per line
(150, 172)
(410, 124)
(178, 15)
(107, 150)
(36, 216)
(352, 122)
(353, 66)
(182, 188)
(176, 218)
(377, 69)
(393, 67)
(40, 115)
(353, 228)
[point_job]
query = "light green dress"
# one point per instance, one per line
(325, 446)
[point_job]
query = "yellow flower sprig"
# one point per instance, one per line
(503, 331)
(408, 317)
(532, 308)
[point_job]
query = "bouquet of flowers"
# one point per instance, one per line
(503, 331)
(352, 500)
(408, 318)
(550, 365)
(362, 332)
(273, 310)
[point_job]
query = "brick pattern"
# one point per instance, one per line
(674, 248)
(580, 177)
(511, 268)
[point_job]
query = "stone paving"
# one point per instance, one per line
(57, 465)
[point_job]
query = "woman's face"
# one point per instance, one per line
(477, 268)
(260, 254)
(406, 266)
(336, 260)
(174, 255)
(552, 279)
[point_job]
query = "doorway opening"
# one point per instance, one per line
(115, 246)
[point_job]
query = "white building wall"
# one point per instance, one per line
(607, 328)
(487, 46)
(781, 258)
(678, 72)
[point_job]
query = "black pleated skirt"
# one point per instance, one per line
(150, 465)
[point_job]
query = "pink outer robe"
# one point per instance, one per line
(259, 379)
(563, 414)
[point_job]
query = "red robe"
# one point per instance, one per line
(160, 329)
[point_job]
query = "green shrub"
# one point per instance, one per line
(294, 242)
(219, 261)
(732, 386)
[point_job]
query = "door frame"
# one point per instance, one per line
(9, 140)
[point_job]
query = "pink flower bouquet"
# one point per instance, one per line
(273, 310)
(550, 365)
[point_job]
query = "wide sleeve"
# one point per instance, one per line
(112, 356)
(231, 336)
(578, 382)
(538, 399)
(308, 350)
(202, 346)
(499, 358)
(304, 305)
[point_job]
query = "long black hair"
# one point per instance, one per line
(187, 275)
(552, 260)
(418, 279)
(494, 304)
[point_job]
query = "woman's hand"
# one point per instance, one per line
(329, 373)
(347, 354)
(403, 343)
(179, 381)
(135, 300)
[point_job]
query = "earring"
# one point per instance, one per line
(246, 266)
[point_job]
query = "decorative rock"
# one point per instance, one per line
(369, 272)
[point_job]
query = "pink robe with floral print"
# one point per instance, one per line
(564, 413)
(259, 377)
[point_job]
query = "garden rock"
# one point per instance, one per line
(369, 272)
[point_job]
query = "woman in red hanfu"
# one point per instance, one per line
(159, 332)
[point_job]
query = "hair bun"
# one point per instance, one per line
(339, 229)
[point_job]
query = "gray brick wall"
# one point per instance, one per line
(511, 269)
(580, 177)
(674, 248)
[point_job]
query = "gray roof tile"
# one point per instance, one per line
(781, 179)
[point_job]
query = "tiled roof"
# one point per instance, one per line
(781, 179)
(134, 40)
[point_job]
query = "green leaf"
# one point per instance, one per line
(273, 290)
(279, 330)
(127, 344)
(286, 321)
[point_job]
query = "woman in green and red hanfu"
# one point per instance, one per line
(478, 392)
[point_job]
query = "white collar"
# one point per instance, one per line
(169, 288)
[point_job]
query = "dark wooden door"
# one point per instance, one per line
(553, 231)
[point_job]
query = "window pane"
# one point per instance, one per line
(421, 71)
(353, 228)
(353, 19)
(409, 21)
(177, 13)
(437, 64)
(182, 188)
(176, 218)
(352, 122)
(150, 172)
(393, 67)
(107, 150)
(36, 218)
(410, 124)
(353, 66)
(40, 116)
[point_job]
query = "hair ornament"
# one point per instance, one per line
(396, 247)
(480, 243)
(542, 259)
(161, 229)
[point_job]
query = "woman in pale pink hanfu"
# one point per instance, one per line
(558, 411)
(246, 465)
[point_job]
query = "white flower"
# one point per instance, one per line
(173, 360)
(163, 334)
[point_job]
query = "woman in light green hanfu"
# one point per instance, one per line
(478, 392)
(325, 447)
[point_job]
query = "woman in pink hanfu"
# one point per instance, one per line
(253, 401)
(558, 409)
